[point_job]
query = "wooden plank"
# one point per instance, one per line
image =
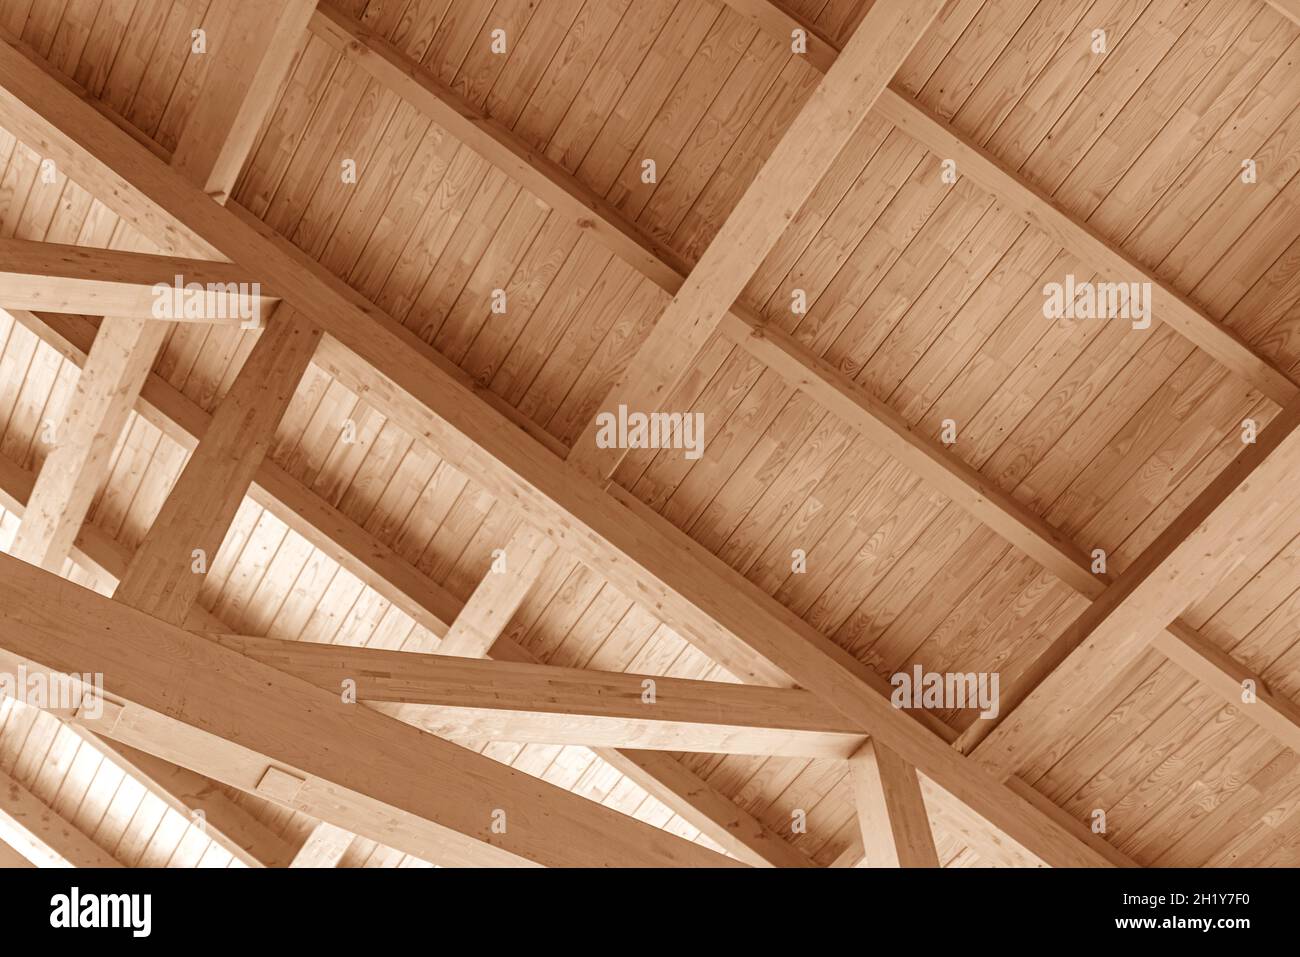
(194, 703)
(891, 811)
(742, 627)
(51, 838)
(1036, 207)
(162, 579)
(81, 280)
(219, 135)
(508, 701)
(1170, 574)
(803, 156)
(324, 847)
(498, 595)
(424, 600)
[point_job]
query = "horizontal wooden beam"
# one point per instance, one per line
(83, 280)
(507, 701)
(191, 701)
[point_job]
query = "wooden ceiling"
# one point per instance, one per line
(284, 546)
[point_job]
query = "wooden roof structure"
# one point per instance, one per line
(365, 581)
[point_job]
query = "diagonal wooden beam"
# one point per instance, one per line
(742, 627)
(891, 811)
(380, 568)
(195, 703)
(804, 154)
(251, 44)
(49, 839)
(1198, 548)
(510, 701)
(498, 595)
(1036, 207)
(324, 847)
(163, 580)
(105, 282)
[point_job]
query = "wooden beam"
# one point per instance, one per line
(742, 627)
(195, 703)
(510, 701)
(891, 811)
(52, 277)
(1038, 208)
(800, 159)
(162, 580)
(1170, 574)
(499, 594)
(13, 859)
(251, 44)
(50, 839)
(324, 847)
(424, 600)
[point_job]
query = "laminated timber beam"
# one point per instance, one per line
(797, 365)
(50, 839)
(891, 811)
(198, 511)
(81, 280)
(742, 627)
(324, 847)
(194, 703)
(524, 702)
(797, 164)
(1194, 553)
(374, 563)
(1039, 209)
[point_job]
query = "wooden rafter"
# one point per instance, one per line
(508, 701)
(374, 563)
(802, 157)
(742, 627)
(195, 703)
